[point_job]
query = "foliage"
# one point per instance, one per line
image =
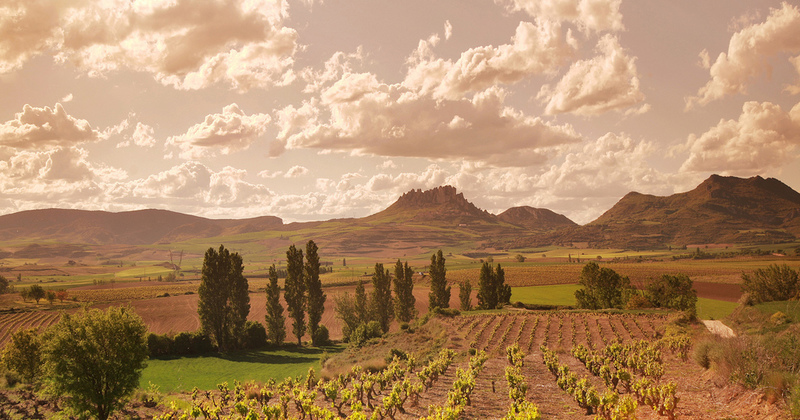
(465, 295)
(276, 327)
(364, 332)
(316, 298)
(255, 335)
(673, 291)
(23, 354)
(295, 291)
(520, 258)
(4, 285)
(440, 291)
(61, 295)
(181, 344)
(95, 358)
(773, 283)
(492, 290)
(36, 292)
(321, 337)
(602, 288)
(404, 300)
(381, 303)
(224, 301)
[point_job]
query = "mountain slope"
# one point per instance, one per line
(535, 219)
(131, 228)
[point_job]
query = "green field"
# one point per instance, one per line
(562, 295)
(714, 309)
(789, 307)
(205, 372)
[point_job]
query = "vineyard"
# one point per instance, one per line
(10, 322)
(516, 365)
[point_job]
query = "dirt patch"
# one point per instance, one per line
(718, 328)
(718, 291)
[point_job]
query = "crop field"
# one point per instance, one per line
(562, 365)
(10, 322)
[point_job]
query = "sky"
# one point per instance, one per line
(313, 110)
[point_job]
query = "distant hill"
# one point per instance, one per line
(441, 204)
(535, 219)
(719, 210)
(139, 227)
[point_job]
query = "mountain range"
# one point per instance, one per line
(719, 210)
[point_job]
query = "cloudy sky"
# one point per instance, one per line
(311, 110)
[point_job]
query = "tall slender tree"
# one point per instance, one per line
(440, 291)
(276, 327)
(224, 301)
(361, 303)
(382, 308)
(316, 298)
(295, 292)
(465, 295)
(404, 300)
(492, 288)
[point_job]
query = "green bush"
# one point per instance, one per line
(321, 337)
(159, 344)
(365, 332)
(701, 353)
(773, 283)
(448, 312)
(255, 335)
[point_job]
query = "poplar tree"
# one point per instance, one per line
(223, 299)
(295, 292)
(361, 304)
(382, 308)
(440, 291)
(404, 300)
(465, 295)
(276, 327)
(316, 298)
(492, 290)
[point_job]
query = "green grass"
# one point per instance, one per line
(563, 294)
(205, 372)
(144, 271)
(790, 307)
(714, 309)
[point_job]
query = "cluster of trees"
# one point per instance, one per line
(493, 292)
(37, 293)
(605, 288)
(365, 317)
(92, 360)
(302, 293)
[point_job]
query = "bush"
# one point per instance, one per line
(701, 353)
(255, 335)
(393, 352)
(674, 292)
(448, 312)
(638, 301)
(365, 332)
(158, 344)
(773, 283)
(321, 337)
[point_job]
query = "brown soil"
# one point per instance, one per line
(718, 291)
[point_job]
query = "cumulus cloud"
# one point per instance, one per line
(448, 29)
(370, 117)
(182, 43)
(45, 127)
(293, 172)
(536, 48)
(594, 15)
(764, 136)
(606, 82)
(224, 133)
(748, 52)
(141, 136)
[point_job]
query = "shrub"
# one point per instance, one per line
(365, 332)
(638, 301)
(779, 318)
(255, 335)
(673, 292)
(158, 344)
(773, 283)
(701, 353)
(448, 312)
(321, 336)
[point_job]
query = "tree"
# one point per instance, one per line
(295, 292)
(224, 300)
(602, 288)
(95, 358)
(361, 304)
(276, 327)
(493, 291)
(36, 292)
(440, 291)
(520, 258)
(23, 354)
(51, 296)
(404, 300)
(465, 295)
(61, 295)
(316, 298)
(382, 308)
(3, 285)
(674, 292)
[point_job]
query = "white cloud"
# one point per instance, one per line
(182, 43)
(67, 98)
(448, 29)
(224, 133)
(293, 172)
(536, 48)
(748, 52)
(369, 117)
(142, 134)
(595, 15)
(764, 136)
(339, 63)
(45, 127)
(606, 82)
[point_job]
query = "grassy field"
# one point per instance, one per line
(205, 372)
(714, 309)
(545, 295)
(789, 307)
